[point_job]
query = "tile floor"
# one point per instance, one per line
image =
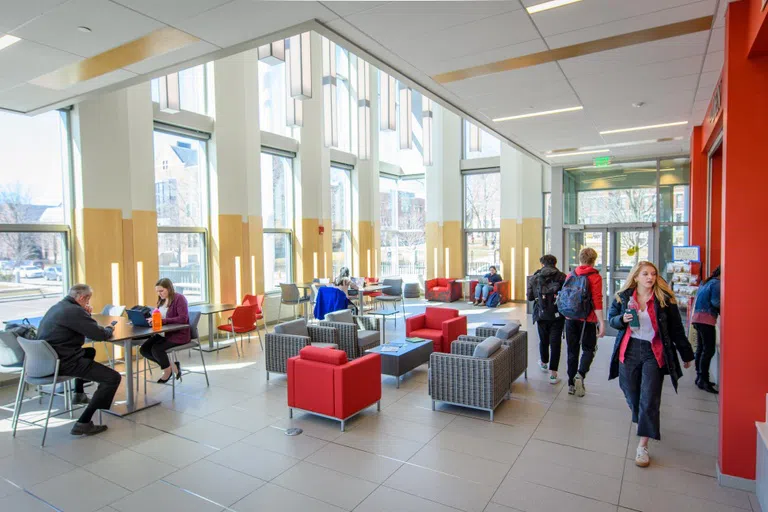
(223, 448)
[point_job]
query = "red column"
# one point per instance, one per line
(698, 219)
(744, 349)
(716, 199)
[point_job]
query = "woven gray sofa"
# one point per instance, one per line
(353, 340)
(459, 378)
(518, 345)
(288, 338)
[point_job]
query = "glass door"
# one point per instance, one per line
(577, 238)
(628, 247)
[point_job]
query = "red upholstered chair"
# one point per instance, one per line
(442, 290)
(441, 325)
(321, 381)
(503, 288)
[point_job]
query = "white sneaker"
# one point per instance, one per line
(579, 384)
(571, 390)
(543, 366)
(554, 379)
(642, 459)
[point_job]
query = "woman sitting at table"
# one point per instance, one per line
(344, 283)
(174, 310)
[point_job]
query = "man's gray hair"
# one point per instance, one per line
(80, 290)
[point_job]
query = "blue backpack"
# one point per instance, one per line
(575, 299)
(493, 300)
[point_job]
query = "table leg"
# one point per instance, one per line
(131, 403)
(128, 351)
(210, 333)
(383, 330)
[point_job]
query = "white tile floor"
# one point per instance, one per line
(222, 448)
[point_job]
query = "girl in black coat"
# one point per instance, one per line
(651, 333)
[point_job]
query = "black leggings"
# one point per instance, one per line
(705, 349)
(154, 350)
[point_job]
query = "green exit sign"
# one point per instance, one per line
(603, 161)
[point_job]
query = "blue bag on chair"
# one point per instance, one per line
(493, 300)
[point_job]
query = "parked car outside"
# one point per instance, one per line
(53, 273)
(29, 272)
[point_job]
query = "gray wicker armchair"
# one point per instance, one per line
(518, 343)
(279, 347)
(353, 340)
(459, 378)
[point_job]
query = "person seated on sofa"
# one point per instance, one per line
(485, 286)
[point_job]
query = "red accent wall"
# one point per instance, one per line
(717, 208)
(698, 217)
(757, 26)
(745, 182)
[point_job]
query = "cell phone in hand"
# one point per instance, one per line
(113, 323)
(635, 322)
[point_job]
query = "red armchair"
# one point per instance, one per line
(440, 325)
(502, 288)
(442, 290)
(321, 381)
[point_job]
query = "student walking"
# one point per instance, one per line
(705, 319)
(543, 289)
(651, 333)
(581, 302)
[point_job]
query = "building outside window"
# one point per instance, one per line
(341, 217)
(193, 89)
(35, 179)
(277, 215)
(181, 196)
(403, 222)
(490, 146)
(482, 220)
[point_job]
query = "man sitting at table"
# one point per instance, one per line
(65, 327)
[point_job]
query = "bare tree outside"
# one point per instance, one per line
(482, 220)
(15, 206)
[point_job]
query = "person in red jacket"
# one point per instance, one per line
(594, 328)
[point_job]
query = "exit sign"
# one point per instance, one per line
(603, 161)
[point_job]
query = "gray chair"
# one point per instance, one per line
(40, 368)
(513, 337)
(356, 333)
(194, 342)
(288, 338)
(460, 378)
(290, 296)
(11, 360)
(392, 295)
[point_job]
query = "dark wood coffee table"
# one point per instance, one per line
(409, 357)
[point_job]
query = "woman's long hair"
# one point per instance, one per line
(343, 274)
(661, 288)
(168, 285)
(715, 275)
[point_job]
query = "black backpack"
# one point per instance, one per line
(22, 330)
(546, 294)
(144, 310)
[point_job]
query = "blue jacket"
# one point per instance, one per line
(329, 299)
(708, 298)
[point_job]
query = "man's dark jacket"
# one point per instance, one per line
(65, 327)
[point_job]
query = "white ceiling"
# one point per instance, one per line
(674, 77)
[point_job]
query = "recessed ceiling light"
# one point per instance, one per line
(576, 153)
(639, 104)
(537, 114)
(7, 40)
(85, 30)
(638, 128)
(620, 144)
(549, 5)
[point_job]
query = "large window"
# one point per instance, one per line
(547, 222)
(192, 87)
(273, 98)
(181, 196)
(277, 215)
(403, 221)
(341, 217)
(34, 225)
(482, 220)
(489, 144)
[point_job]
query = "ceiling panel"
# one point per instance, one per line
(434, 65)
(171, 11)
(112, 26)
(344, 9)
(590, 13)
(171, 58)
(243, 20)
(717, 41)
(625, 26)
(15, 14)
(26, 60)
(714, 61)
(503, 83)
(405, 21)
(489, 33)
(526, 100)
